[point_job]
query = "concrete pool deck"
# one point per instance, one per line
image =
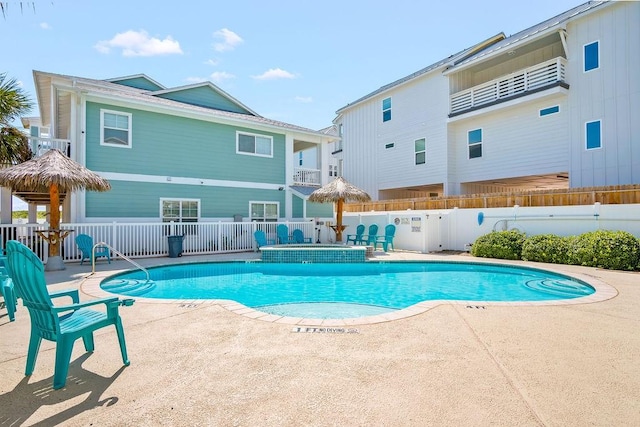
(453, 364)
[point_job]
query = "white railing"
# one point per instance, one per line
(145, 240)
(302, 176)
(531, 78)
(39, 146)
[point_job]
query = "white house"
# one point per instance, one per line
(553, 106)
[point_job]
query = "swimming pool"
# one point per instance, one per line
(337, 291)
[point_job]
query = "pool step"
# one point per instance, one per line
(132, 287)
(558, 287)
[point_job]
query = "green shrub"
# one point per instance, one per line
(615, 250)
(499, 244)
(546, 248)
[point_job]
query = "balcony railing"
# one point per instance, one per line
(303, 176)
(39, 146)
(518, 83)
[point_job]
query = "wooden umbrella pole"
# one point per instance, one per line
(339, 221)
(54, 204)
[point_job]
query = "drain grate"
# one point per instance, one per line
(315, 330)
(477, 307)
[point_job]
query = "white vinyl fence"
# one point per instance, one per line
(143, 240)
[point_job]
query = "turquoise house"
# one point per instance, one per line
(186, 154)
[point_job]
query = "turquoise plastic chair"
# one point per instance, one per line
(387, 239)
(60, 324)
(356, 238)
(371, 238)
(298, 237)
(85, 244)
(8, 293)
(261, 239)
(282, 231)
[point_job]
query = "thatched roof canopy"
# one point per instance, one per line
(339, 189)
(53, 167)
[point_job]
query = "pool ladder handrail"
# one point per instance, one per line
(123, 256)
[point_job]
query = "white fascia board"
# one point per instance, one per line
(177, 180)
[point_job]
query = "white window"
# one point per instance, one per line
(253, 144)
(180, 211)
(264, 211)
(474, 138)
(115, 129)
(420, 147)
(386, 109)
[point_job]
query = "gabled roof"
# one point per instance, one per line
(229, 103)
(139, 81)
(136, 96)
(524, 36)
(452, 59)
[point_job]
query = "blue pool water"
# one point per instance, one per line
(330, 291)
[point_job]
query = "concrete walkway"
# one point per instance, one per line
(199, 364)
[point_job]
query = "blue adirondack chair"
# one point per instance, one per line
(60, 324)
(261, 239)
(387, 239)
(298, 237)
(85, 244)
(282, 231)
(356, 238)
(372, 236)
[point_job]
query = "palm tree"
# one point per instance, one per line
(14, 102)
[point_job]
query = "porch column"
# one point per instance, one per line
(323, 156)
(32, 217)
(6, 205)
(288, 176)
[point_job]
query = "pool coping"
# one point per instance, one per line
(91, 286)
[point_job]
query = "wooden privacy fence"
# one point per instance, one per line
(619, 194)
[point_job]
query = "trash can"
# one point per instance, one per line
(175, 246)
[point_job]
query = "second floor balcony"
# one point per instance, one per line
(40, 145)
(521, 83)
(305, 176)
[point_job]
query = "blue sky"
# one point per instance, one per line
(293, 61)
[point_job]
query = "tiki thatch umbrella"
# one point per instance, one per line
(53, 172)
(339, 191)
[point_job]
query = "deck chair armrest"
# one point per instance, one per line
(73, 293)
(109, 302)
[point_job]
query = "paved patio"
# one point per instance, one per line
(453, 364)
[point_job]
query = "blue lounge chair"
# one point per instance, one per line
(282, 231)
(356, 238)
(371, 238)
(387, 239)
(60, 324)
(298, 237)
(261, 239)
(85, 244)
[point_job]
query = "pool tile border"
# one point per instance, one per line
(91, 286)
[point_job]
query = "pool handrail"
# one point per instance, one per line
(126, 258)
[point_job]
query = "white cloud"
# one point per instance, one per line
(139, 43)
(212, 62)
(274, 74)
(229, 40)
(45, 26)
(220, 76)
(304, 99)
